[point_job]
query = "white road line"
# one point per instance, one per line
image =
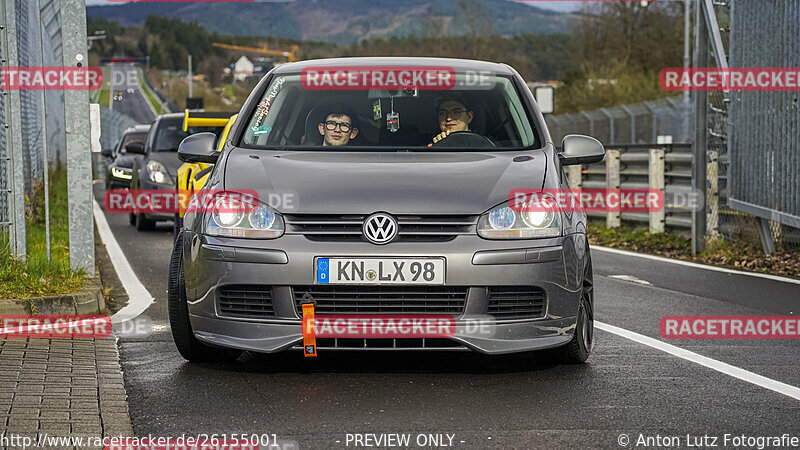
(139, 298)
(632, 279)
(727, 369)
(696, 265)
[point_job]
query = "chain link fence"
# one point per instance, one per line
(44, 127)
(640, 123)
(751, 139)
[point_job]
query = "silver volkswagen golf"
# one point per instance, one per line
(384, 195)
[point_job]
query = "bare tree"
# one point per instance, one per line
(476, 22)
(646, 38)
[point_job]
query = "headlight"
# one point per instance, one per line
(122, 173)
(527, 222)
(157, 173)
(232, 217)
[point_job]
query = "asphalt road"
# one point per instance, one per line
(134, 105)
(481, 402)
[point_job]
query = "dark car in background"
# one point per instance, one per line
(157, 168)
(120, 169)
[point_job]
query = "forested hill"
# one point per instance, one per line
(347, 21)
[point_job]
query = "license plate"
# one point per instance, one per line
(379, 270)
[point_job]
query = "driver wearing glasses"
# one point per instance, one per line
(454, 115)
(338, 128)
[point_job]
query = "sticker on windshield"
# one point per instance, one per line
(258, 131)
(263, 107)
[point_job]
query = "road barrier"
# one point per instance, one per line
(666, 167)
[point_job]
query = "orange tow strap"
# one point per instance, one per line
(309, 337)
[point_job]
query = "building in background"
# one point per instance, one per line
(242, 69)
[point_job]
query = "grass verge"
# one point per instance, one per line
(36, 277)
(719, 252)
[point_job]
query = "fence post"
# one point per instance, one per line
(610, 118)
(656, 181)
(575, 176)
(14, 150)
(43, 134)
(633, 122)
(699, 147)
(712, 195)
(79, 159)
(591, 122)
(612, 185)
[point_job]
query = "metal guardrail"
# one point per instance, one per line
(635, 172)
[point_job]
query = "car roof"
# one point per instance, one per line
(457, 64)
(142, 128)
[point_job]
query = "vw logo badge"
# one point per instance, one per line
(380, 228)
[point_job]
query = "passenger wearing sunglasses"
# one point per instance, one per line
(454, 115)
(338, 128)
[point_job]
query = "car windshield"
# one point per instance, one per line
(170, 134)
(300, 111)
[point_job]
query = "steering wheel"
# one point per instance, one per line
(464, 139)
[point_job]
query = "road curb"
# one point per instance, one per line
(86, 300)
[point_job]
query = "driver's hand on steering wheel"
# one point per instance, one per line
(439, 137)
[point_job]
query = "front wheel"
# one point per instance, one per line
(578, 349)
(188, 346)
(176, 228)
(143, 223)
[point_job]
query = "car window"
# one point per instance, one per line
(131, 137)
(170, 134)
(289, 115)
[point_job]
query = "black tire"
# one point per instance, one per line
(188, 345)
(175, 228)
(143, 224)
(132, 218)
(578, 349)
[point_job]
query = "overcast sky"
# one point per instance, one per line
(556, 5)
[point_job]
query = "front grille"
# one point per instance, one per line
(384, 299)
(516, 302)
(347, 228)
(245, 300)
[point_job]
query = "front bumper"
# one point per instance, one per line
(149, 185)
(555, 266)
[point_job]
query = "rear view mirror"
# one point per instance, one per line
(198, 148)
(107, 152)
(579, 149)
(135, 147)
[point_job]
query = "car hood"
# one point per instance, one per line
(124, 160)
(396, 182)
(168, 159)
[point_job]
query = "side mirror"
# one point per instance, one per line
(579, 149)
(107, 152)
(198, 148)
(136, 147)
